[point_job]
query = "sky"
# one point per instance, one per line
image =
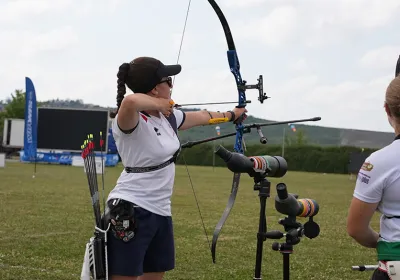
(319, 58)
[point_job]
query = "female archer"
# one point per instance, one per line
(141, 242)
(378, 189)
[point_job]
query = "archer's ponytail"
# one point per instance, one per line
(121, 90)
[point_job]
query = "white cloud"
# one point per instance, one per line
(273, 30)
(382, 58)
(353, 14)
(54, 40)
(93, 7)
(21, 45)
(77, 85)
(299, 66)
(332, 22)
(189, 39)
(273, 39)
(214, 86)
(242, 3)
(367, 13)
(16, 10)
(346, 104)
(299, 85)
(321, 23)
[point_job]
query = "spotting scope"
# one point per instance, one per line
(269, 166)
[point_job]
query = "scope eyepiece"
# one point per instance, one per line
(282, 191)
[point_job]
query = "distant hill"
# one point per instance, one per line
(314, 134)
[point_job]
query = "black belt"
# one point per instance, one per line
(153, 168)
(391, 217)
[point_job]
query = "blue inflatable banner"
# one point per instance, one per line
(30, 135)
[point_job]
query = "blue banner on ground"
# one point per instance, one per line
(112, 147)
(68, 158)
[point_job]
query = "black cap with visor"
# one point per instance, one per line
(146, 72)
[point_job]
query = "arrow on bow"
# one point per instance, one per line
(212, 103)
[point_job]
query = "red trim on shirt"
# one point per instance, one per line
(144, 117)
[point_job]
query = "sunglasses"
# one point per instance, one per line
(168, 81)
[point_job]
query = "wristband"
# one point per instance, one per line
(209, 114)
(232, 116)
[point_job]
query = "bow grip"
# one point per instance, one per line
(241, 118)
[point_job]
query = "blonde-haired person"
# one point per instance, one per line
(378, 189)
(141, 241)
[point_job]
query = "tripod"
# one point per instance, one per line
(294, 230)
(263, 186)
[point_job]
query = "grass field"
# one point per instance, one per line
(46, 222)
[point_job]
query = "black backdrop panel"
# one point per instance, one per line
(67, 129)
(356, 161)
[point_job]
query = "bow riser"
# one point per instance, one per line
(239, 139)
(234, 65)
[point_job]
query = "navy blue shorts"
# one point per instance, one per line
(379, 275)
(152, 249)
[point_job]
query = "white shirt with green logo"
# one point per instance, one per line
(379, 181)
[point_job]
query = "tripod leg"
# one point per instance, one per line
(263, 187)
(286, 266)
(262, 227)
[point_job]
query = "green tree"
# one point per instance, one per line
(14, 108)
(288, 139)
(2, 117)
(301, 138)
(16, 105)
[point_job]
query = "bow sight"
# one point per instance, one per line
(261, 94)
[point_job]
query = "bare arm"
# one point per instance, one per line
(358, 223)
(198, 118)
(128, 113)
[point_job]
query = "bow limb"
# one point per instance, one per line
(231, 201)
(234, 65)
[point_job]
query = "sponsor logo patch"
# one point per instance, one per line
(367, 166)
(363, 178)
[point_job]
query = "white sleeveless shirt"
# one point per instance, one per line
(152, 142)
